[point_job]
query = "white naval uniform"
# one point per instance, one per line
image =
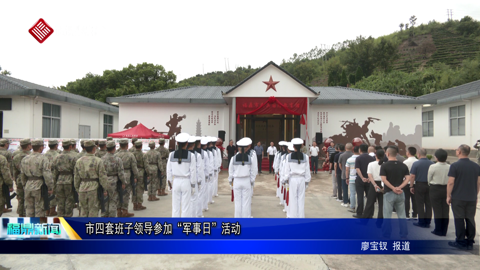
(215, 175)
(243, 177)
(253, 156)
(208, 185)
(196, 198)
(297, 175)
(183, 178)
(281, 158)
(218, 155)
(275, 171)
(207, 167)
(283, 199)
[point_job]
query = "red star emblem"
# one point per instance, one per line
(271, 84)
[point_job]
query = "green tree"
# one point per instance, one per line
(360, 52)
(401, 25)
(384, 54)
(343, 79)
(467, 26)
(6, 72)
(351, 78)
(358, 74)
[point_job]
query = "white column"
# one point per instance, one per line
(233, 121)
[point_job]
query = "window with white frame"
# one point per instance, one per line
(107, 125)
(457, 121)
(51, 121)
(427, 124)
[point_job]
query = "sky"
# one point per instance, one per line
(191, 37)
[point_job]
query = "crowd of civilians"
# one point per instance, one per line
(414, 185)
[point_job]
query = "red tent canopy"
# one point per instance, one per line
(139, 131)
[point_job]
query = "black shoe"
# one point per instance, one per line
(439, 234)
(351, 210)
(457, 245)
(356, 216)
(419, 225)
(469, 247)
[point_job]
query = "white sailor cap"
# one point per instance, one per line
(198, 138)
(297, 141)
(247, 140)
(182, 137)
(282, 143)
(242, 142)
(192, 139)
(204, 140)
(213, 139)
(290, 147)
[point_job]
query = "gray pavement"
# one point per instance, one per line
(318, 204)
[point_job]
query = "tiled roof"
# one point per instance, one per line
(185, 94)
(456, 93)
(16, 87)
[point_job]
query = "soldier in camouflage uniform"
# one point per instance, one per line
(4, 144)
(109, 139)
(51, 154)
(103, 149)
(74, 146)
(5, 177)
(35, 169)
(16, 152)
(89, 174)
(162, 184)
(96, 146)
(130, 167)
(25, 146)
(62, 172)
(115, 173)
(154, 163)
(132, 149)
(137, 198)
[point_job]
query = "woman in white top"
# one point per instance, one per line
(376, 188)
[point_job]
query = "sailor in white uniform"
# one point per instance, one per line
(251, 153)
(214, 161)
(276, 163)
(297, 175)
(218, 156)
(289, 149)
(241, 174)
(202, 181)
(181, 174)
(208, 171)
(195, 199)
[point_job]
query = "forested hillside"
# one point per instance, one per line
(414, 60)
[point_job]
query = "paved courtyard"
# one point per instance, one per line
(318, 204)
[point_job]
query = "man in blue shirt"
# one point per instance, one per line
(462, 191)
(419, 176)
(259, 151)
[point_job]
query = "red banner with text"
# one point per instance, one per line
(271, 105)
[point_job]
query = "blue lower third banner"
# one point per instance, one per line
(218, 236)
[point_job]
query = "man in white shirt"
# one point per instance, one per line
(271, 151)
(371, 151)
(411, 152)
(314, 150)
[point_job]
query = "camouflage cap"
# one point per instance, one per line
(134, 140)
(66, 143)
(25, 142)
(52, 142)
(102, 142)
(37, 142)
(151, 143)
(3, 141)
(73, 142)
(138, 143)
(89, 143)
(110, 144)
(123, 141)
(109, 139)
(96, 141)
(82, 142)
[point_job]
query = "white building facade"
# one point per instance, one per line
(271, 105)
(28, 110)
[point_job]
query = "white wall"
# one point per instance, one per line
(156, 116)
(441, 125)
(402, 122)
(25, 118)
